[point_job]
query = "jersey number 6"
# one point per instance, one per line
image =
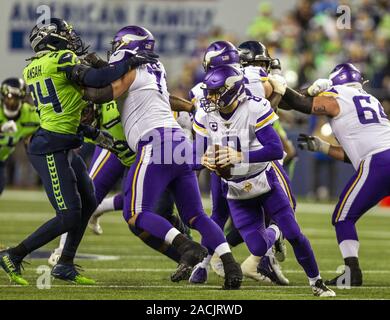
(363, 108)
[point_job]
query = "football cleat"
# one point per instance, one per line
(199, 274)
(217, 266)
(356, 278)
(191, 254)
(54, 257)
(70, 273)
(249, 269)
(12, 266)
(270, 268)
(233, 276)
(321, 290)
(94, 224)
(280, 249)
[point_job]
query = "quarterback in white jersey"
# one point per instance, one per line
(256, 84)
(248, 145)
(155, 135)
(363, 131)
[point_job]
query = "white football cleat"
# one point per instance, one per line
(217, 266)
(321, 290)
(249, 269)
(94, 224)
(270, 268)
(54, 257)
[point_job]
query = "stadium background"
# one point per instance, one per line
(302, 34)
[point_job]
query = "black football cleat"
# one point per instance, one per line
(191, 254)
(233, 276)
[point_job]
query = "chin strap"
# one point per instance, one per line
(11, 114)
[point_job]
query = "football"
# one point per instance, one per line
(222, 172)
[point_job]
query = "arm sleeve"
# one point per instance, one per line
(272, 146)
(298, 101)
(97, 78)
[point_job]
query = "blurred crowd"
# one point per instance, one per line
(309, 40)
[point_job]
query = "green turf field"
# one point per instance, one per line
(141, 273)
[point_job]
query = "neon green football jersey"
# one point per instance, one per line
(58, 100)
(109, 120)
(27, 123)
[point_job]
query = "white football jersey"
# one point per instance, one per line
(362, 127)
(146, 106)
(196, 93)
(239, 131)
(184, 119)
(253, 78)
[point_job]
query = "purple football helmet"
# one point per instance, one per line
(133, 38)
(345, 73)
(220, 53)
(222, 86)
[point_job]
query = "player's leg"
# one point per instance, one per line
(163, 208)
(60, 184)
(2, 177)
(144, 185)
(279, 206)
(189, 204)
(105, 171)
(65, 269)
(366, 188)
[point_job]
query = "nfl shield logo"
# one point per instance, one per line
(213, 126)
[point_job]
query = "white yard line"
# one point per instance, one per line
(171, 270)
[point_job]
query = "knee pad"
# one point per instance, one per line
(69, 219)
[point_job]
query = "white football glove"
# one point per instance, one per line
(278, 82)
(318, 86)
(227, 156)
(313, 143)
(9, 127)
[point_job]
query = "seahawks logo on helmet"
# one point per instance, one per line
(56, 35)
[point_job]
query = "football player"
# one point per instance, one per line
(256, 81)
(152, 131)
(18, 120)
(55, 78)
(108, 167)
(363, 130)
(240, 125)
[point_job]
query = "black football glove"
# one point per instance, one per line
(142, 57)
(275, 64)
(95, 61)
(312, 143)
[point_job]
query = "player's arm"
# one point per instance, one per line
(111, 91)
(272, 146)
(274, 95)
(320, 105)
(179, 104)
(86, 76)
(316, 144)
